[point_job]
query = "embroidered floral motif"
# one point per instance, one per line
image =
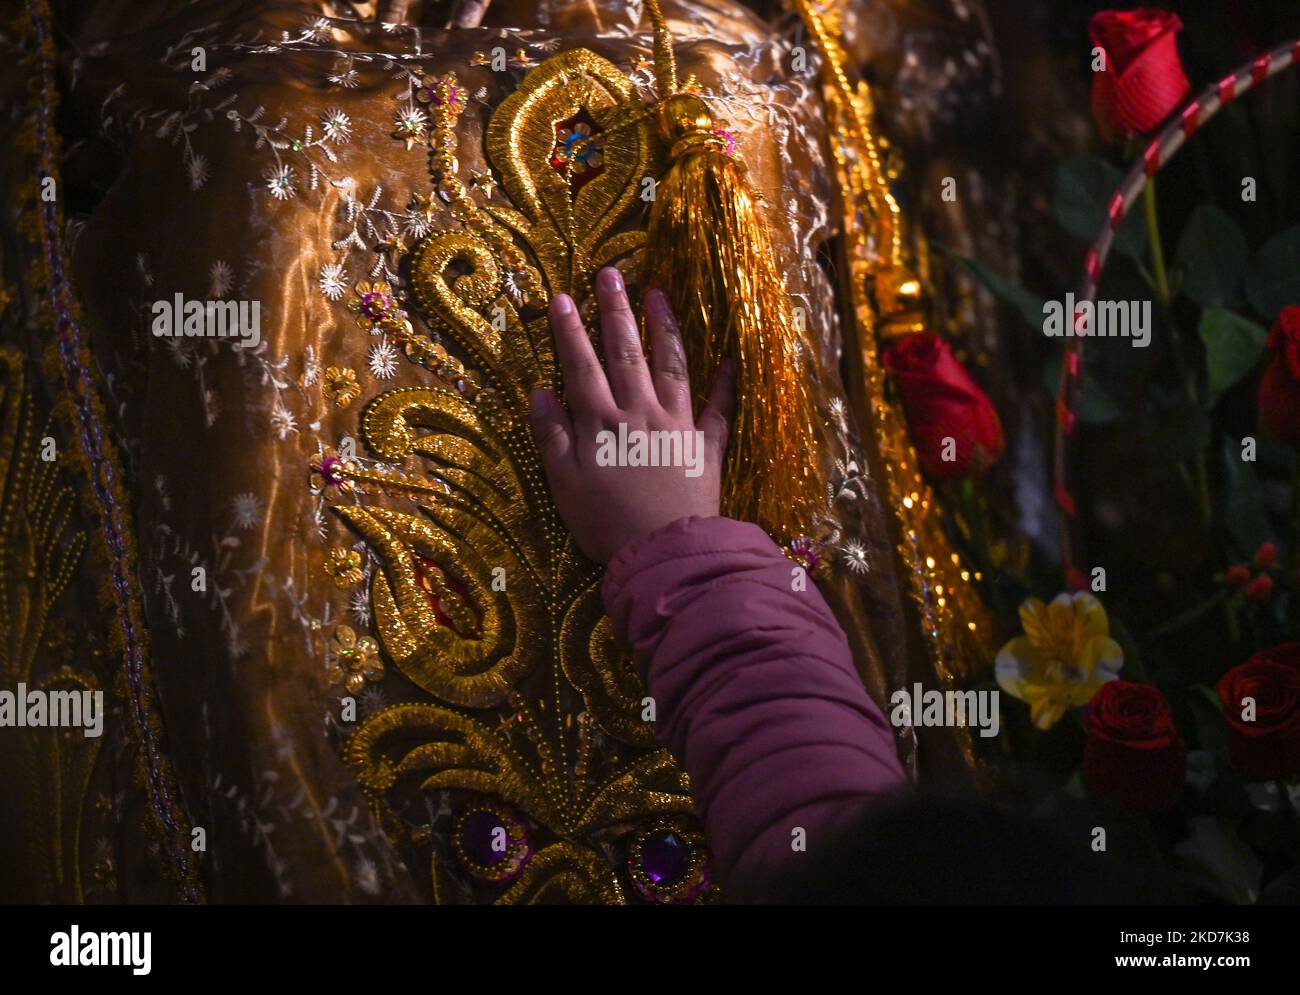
(333, 281)
(437, 91)
(246, 509)
(373, 303)
(411, 123)
(804, 552)
(280, 180)
(383, 358)
(326, 473)
(576, 145)
(856, 557)
(344, 566)
(220, 279)
(336, 125)
(357, 660)
(197, 166)
(340, 385)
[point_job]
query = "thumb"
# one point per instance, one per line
(715, 419)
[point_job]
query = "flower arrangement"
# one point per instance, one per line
(1165, 680)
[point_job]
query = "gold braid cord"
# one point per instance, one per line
(886, 302)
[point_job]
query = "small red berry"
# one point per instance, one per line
(1238, 576)
(1260, 588)
(1265, 556)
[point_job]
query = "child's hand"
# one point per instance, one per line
(597, 455)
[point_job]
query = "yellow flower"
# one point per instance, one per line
(1065, 655)
(357, 660)
(344, 565)
(341, 385)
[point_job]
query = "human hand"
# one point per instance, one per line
(598, 454)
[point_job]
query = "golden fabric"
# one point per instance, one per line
(324, 515)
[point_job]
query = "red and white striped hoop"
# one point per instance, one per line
(1163, 148)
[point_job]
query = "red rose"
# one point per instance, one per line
(942, 402)
(1143, 79)
(1134, 754)
(1267, 748)
(1279, 390)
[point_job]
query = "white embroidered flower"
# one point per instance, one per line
(182, 354)
(310, 368)
(337, 125)
(220, 279)
(383, 359)
(282, 421)
(346, 79)
(838, 411)
(315, 28)
(279, 180)
(333, 281)
(246, 509)
(211, 407)
(366, 875)
(198, 170)
(415, 224)
(359, 605)
(371, 700)
(855, 557)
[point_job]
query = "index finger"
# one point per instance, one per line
(585, 385)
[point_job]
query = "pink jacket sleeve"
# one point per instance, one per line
(755, 691)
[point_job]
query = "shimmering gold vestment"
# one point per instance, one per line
(351, 511)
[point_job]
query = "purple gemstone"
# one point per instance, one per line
(326, 470)
(476, 836)
(665, 857)
(375, 306)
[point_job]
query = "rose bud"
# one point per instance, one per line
(1237, 577)
(1134, 754)
(1265, 556)
(942, 402)
(1143, 78)
(1260, 588)
(1261, 705)
(1279, 388)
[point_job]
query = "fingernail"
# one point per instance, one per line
(562, 304)
(611, 279)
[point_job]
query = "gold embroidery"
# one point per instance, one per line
(480, 597)
(48, 772)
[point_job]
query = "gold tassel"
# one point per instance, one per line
(709, 251)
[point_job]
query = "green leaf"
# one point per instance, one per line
(1245, 512)
(1213, 256)
(1274, 280)
(1233, 345)
(1029, 304)
(1081, 191)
